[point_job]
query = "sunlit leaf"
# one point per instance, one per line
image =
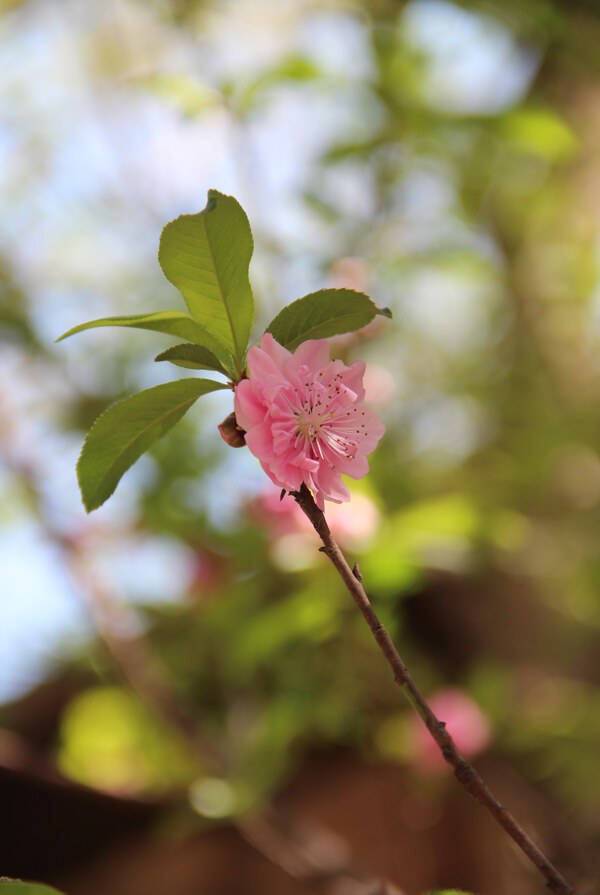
(321, 314)
(173, 323)
(110, 740)
(540, 132)
(207, 256)
(294, 69)
(194, 357)
(304, 616)
(188, 95)
(449, 892)
(16, 887)
(127, 429)
(215, 797)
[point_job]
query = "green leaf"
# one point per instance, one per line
(539, 132)
(194, 357)
(16, 887)
(186, 94)
(207, 256)
(449, 892)
(294, 68)
(127, 429)
(173, 323)
(321, 314)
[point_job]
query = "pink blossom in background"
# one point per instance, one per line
(208, 574)
(305, 419)
(352, 524)
(280, 517)
(380, 385)
(465, 721)
(351, 273)
(355, 524)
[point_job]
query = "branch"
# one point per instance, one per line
(464, 772)
(308, 852)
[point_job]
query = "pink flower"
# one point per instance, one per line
(304, 417)
(279, 517)
(353, 525)
(466, 723)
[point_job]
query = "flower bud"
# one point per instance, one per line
(231, 432)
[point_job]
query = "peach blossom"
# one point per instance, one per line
(305, 419)
(465, 721)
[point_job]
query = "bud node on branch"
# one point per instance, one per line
(463, 770)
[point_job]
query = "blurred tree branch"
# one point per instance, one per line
(304, 850)
(464, 772)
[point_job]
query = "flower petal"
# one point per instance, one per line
(250, 410)
(260, 441)
(329, 483)
(305, 419)
(262, 366)
(314, 354)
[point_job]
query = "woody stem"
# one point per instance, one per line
(464, 772)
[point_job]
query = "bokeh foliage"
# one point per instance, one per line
(453, 175)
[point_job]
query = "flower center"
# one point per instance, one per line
(308, 424)
(324, 431)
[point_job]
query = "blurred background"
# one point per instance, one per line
(190, 704)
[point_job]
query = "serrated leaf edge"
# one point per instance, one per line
(107, 322)
(89, 506)
(215, 369)
(385, 312)
(212, 197)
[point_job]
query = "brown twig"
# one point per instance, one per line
(464, 772)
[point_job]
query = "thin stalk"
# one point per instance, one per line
(464, 772)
